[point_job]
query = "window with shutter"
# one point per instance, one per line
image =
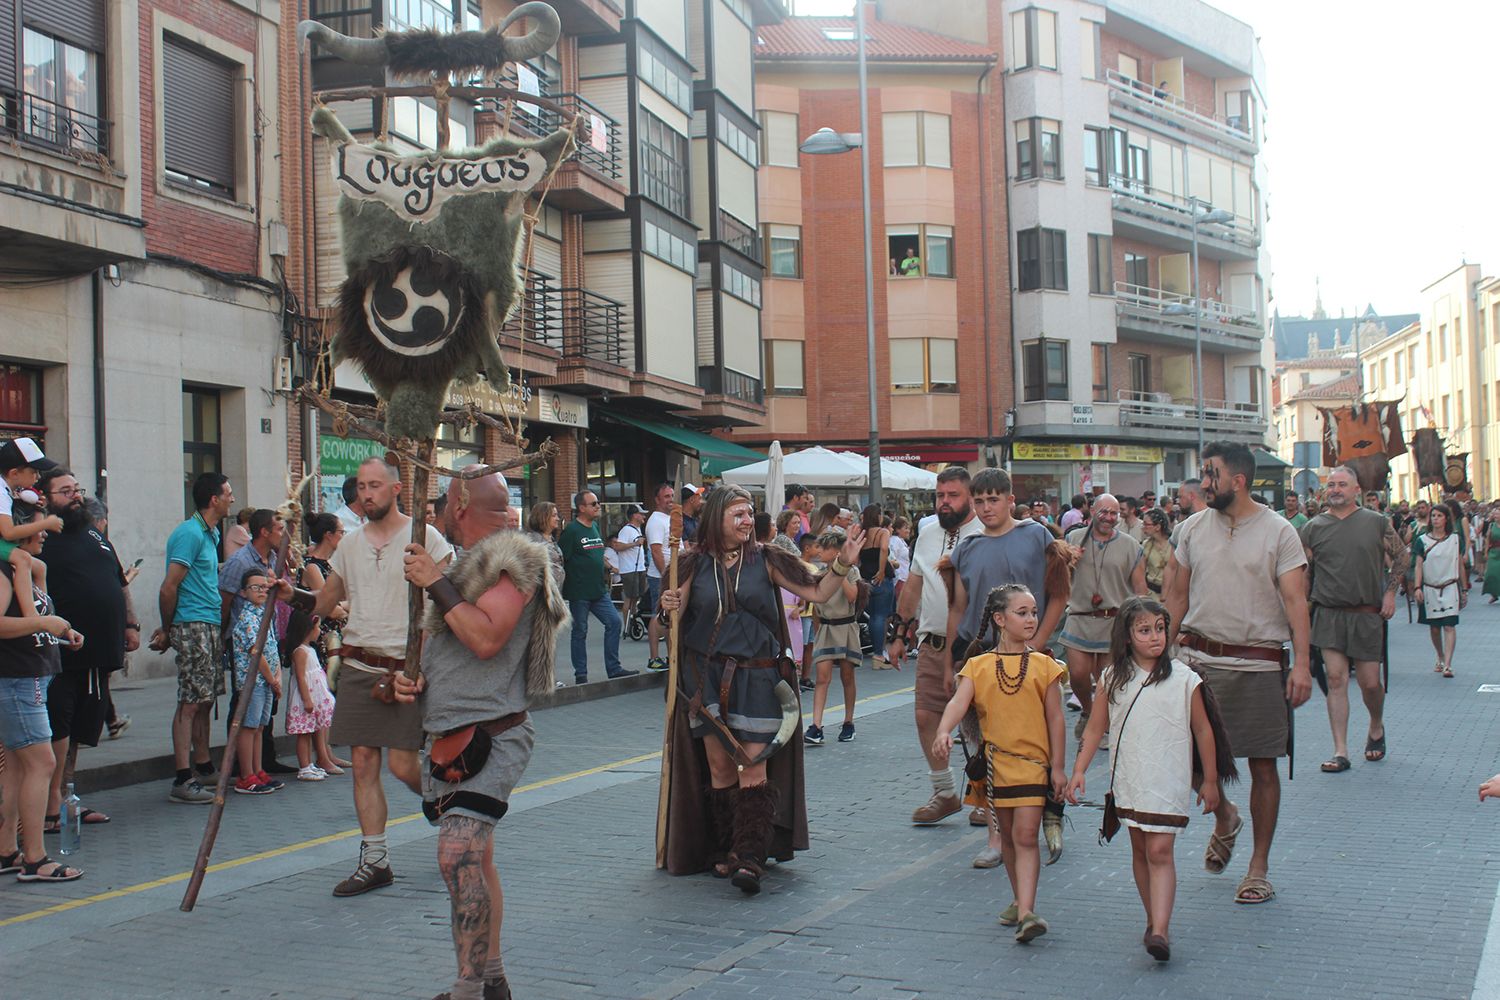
(198, 117)
(936, 142)
(900, 139)
(778, 139)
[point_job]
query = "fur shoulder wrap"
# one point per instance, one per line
(530, 569)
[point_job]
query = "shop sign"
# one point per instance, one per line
(512, 403)
(1083, 413)
(1043, 451)
(522, 402)
(341, 456)
(919, 455)
(559, 408)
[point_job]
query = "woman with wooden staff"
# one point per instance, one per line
(733, 798)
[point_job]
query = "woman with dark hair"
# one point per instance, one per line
(1155, 548)
(875, 567)
(723, 811)
(543, 525)
(325, 531)
(824, 517)
(1441, 582)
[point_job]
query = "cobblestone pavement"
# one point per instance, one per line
(1387, 878)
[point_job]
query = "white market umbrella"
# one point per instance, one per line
(775, 477)
(816, 467)
(903, 477)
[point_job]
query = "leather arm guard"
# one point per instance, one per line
(901, 629)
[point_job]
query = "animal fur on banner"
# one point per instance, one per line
(1427, 447)
(1365, 437)
(430, 240)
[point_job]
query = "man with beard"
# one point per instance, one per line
(1237, 594)
(1356, 561)
(1108, 572)
(88, 589)
(366, 569)
(922, 617)
(492, 624)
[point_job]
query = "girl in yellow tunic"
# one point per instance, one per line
(1016, 693)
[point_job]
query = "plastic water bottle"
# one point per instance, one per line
(72, 823)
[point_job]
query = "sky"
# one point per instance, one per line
(1378, 137)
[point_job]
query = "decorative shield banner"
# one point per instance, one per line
(415, 187)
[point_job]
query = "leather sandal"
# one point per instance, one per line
(1337, 765)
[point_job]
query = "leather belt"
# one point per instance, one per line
(839, 621)
(936, 642)
(1364, 609)
(494, 726)
(1213, 647)
(1098, 613)
(364, 655)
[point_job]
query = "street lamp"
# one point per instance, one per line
(1213, 215)
(825, 141)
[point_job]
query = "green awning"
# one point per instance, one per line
(1265, 460)
(714, 454)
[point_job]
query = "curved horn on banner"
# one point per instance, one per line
(539, 39)
(363, 51)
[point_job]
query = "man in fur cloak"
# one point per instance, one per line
(491, 634)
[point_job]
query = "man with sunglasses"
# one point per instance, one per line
(1236, 594)
(586, 588)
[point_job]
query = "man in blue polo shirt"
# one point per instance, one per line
(190, 611)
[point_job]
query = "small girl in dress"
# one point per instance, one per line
(309, 711)
(836, 641)
(1017, 695)
(1159, 707)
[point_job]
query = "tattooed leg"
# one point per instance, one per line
(497, 898)
(465, 853)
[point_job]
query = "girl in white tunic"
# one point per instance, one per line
(1154, 711)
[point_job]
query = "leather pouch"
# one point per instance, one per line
(459, 755)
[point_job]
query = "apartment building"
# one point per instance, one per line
(939, 252)
(639, 329)
(141, 228)
(1300, 388)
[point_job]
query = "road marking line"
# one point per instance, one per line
(73, 904)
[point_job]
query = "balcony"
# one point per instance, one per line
(1165, 219)
(739, 237)
(1141, 313)
(1140, 418)
(1157, 411)
(538, 319)
(591, 343)
(730, 398)
(1138, 100)
(62, 202)
(592, 180)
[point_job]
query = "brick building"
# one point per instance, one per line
(140, 233)
(937, 164)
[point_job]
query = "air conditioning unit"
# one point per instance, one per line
(283, 374)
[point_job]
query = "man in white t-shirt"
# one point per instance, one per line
(658, 527)
(629, 548)
(923, 615)
(367, 568)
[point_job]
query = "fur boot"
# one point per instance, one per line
(754, 816)
(721, 803)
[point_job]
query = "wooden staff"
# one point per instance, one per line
(419, 476)
(674, 545)
(226, 765)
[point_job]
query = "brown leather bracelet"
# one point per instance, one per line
(444, 594)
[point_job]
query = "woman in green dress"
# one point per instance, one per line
(1492, 556)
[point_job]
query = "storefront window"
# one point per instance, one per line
(21, 403)
(456, 449)
(201, 442)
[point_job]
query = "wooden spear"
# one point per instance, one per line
(663, 795)
(419, 476)
(226, 765)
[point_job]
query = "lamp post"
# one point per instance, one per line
(1199, 219)
(826, 141)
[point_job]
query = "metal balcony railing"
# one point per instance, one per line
(36, 120)
(598, 147)
(1135, 197)
(1144, 299)
(740, 236)
(1174, 110)
(728, 382)
(538, 317)
(593, 327)
(1158, 409)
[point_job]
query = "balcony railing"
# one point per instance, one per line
(728, 382)
(1143, 299)
(739, 236)
(36, 120)
(539, 316)
(593, 327)
(1175, 111)
(1157, 409)
(598, 147)
(1134, 197)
